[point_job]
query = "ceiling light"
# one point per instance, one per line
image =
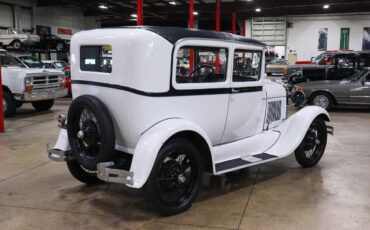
(103, 7)
(134, 15)
(172, 3)
(195, 13)
(326, 6)
(249, 0)
(258, 10)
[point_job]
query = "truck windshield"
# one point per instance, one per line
(7, 61)
(32, 62)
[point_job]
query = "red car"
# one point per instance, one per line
(67, 74)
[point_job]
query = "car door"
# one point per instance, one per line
(360, 92)
(245, 116)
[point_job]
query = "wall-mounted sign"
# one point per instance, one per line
(64, 31)
(323, 39)
(366, 39)
(43, 30)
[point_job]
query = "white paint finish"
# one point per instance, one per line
(294, 129)
(147, 70)
(303, 37)
(150, 143)
(245, 147)
(62, 141)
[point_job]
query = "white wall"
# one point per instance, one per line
(303, 37)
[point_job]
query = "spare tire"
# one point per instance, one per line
(90, 131)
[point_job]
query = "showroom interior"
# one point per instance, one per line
(184, 114)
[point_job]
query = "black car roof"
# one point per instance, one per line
(174, 34)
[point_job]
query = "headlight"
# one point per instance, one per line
(28, 81)
(61, 79)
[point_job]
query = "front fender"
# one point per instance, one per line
(151, 142)
(293, 130)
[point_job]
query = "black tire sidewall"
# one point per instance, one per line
(151, 193)
(299, 152)
(43, 105)
(105, 123)
(11, 104)
(81, 175)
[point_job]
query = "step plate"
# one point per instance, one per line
(235, 163)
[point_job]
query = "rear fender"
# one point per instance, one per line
(293, 130)
(152, 140)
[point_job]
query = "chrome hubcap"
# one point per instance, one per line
(80, 134)
(5, 105)
(181, 179)
(321, 101)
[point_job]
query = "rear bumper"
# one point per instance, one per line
(44, 95)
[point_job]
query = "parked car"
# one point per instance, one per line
(23, 85)
(276, 67)
(140, 123)
(15, 40)
(53, 42)
(343, 65)
(354, 90)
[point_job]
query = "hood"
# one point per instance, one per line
(318, 83)
(32, 71)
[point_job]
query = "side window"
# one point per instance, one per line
(196, 64)
(96, 58)
(247, 65)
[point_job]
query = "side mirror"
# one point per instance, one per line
(298, 98)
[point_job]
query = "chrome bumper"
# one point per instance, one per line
(108, 171)
(59, 155)
(44, 94)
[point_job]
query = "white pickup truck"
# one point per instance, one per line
(21, 85)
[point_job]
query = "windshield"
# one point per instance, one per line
(32, 62)
(60, 64)
(357, 76)
(8, 61)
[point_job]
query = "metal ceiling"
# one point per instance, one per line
(162, 13)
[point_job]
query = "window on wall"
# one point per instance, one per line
(96, 58)
(195, 64)
(247, 65)
(344, 39)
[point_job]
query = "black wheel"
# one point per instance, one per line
(175, 178)
(322, 99)
(9, 104)
(60, 46)
(90, 132)
(17, 44)
(82, 174)
(43, 105)
(310, 151)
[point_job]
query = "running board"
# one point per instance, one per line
(110, 172)
(244, 162)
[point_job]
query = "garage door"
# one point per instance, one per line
(26, 18)
(270, 30)
(6, 16)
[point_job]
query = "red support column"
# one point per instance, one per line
(139, 12)
(191, 25)
(1, 103)
(233, 22)
(218, 28)
(244, 30)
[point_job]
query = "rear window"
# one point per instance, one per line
(96, 58)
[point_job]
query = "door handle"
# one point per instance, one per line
(235, 90)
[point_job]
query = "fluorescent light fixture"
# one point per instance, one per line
(172, 3)
(103, 7)
(195, 13)
(249, 0)
(258, 10)
(134, 15)
(326, 6)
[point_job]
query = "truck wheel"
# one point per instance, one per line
(176, 177)
(310, 151)
(322, 99)
(84, 175)
(90, 132)
(43, 105)
(17, 44)
(9, 104)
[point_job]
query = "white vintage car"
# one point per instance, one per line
(137, 121)
(15, 40)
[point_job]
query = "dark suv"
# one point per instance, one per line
(53, 42)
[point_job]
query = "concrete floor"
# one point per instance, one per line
(36, 193)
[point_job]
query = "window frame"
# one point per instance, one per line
(249, 48)
(201, 43)
(90, 71)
